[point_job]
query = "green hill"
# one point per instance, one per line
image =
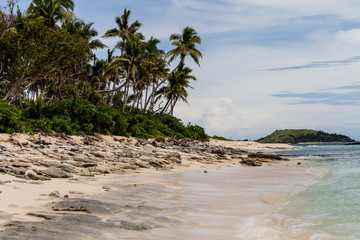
(303, 136)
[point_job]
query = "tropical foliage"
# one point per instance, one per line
(49, 71)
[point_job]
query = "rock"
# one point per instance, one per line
(89, 164)
(71, 154)
(128, 225)
(218, 150)
(99, 155)
(50, 163)
(174, 159)
(74, 150)
(145, 158)
(106, 188)
(132, 167)
(262, 155)
(251, 162)
(54, 173)
(142, 164)
(85, 205)
(55, 194)
(72, 162)
(17, 171)
(149, 148)
(173, 155)
(44, 216)
(21, 165)
(156, 164)
(34, 176)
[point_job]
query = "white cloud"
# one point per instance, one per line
(350, 36)
(226, 100)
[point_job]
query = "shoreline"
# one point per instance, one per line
(33, 196)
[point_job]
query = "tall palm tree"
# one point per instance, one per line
(51, 10)
(185, 44)
(124, 29)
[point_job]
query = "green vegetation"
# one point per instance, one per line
(221, 138)
(77, 116)
(303, 136)
(51, 79)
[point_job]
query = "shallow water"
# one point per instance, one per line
(328, 209)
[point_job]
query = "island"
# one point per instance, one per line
(303, 136)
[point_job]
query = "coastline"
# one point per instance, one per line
(190, 170)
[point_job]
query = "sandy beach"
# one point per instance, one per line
(114, 187)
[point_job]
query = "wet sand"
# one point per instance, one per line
(195, 204)
(215, 205)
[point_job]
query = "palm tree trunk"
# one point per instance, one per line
(166, 106)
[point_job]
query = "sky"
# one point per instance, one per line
(267, 64)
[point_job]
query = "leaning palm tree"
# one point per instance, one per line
(51, 10)
(176, 88)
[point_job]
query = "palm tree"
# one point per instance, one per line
(51, 10)
(176, 88)
(185, 44)
(123, 29)
(85, 30)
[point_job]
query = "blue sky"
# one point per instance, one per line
(268, 64)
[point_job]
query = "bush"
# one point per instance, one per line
(9, 118)
(103, 123)
(175, 124)
(198, 132)
(77, 116)
(44, 124)
(62, 124)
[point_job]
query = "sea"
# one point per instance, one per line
(327, 209)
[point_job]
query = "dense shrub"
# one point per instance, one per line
(198, 132)
(77, 116)
(9, 118)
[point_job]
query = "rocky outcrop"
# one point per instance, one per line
(41, 160)
(257, 159)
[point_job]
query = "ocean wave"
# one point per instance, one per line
(318, 172)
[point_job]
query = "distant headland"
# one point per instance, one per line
(303, 136)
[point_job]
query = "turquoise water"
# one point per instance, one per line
(330, 208)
